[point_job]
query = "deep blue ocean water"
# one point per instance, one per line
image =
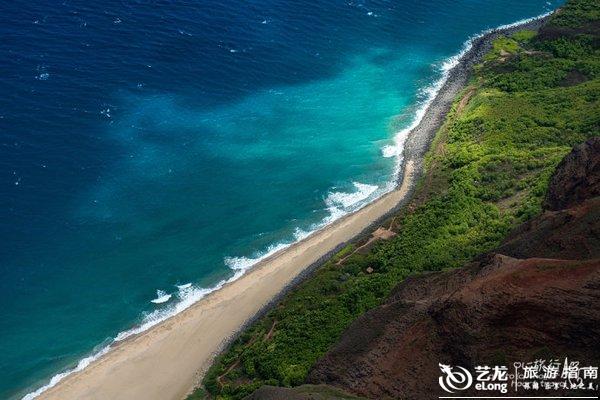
(149, 144)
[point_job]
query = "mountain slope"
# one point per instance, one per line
(538, 294)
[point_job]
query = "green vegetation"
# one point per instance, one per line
(577, 14)
(524, 36)
(503, 47)
(532, 99)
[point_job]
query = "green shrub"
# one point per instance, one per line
(499, 153)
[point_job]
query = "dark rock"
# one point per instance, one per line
(502, 310)
(538, 293)
(576, 178)
(573, 234)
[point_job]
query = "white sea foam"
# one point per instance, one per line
(187, 297)
(341, 203)
(337, 204)
(184, 286)
(161, 297)
(300, 234)
(245, 263)
(84, 362)
(389, 151)
(347, 200)
(239, 265)
(454, 60)
(430, 92)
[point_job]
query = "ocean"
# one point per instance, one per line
(152, 150)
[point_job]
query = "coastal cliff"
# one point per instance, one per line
(494, 258)
(535, 295)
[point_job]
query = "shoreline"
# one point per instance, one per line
(168, 359)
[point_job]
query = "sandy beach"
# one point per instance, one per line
(166, 361)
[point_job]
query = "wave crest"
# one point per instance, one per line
(161, 297)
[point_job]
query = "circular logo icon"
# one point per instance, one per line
(455, 378)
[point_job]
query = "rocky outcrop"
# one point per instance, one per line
(537, 295)
(577, 177)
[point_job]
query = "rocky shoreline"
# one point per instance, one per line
(420, 138)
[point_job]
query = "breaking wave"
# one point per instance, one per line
(161, 297)
(430, 92)
(338, 204)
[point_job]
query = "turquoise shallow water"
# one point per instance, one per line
(148, 147)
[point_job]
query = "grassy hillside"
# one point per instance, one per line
(532, 99)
